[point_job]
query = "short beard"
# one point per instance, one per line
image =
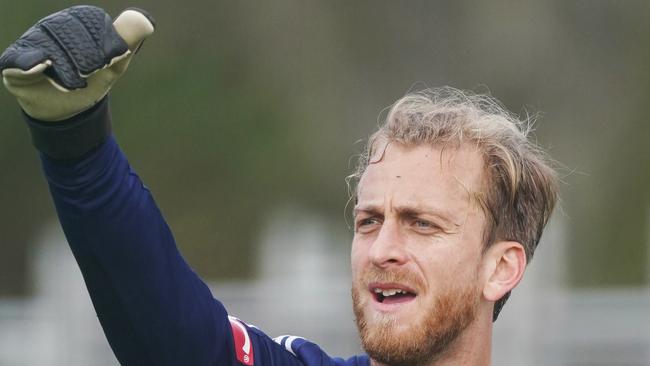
(426, 341)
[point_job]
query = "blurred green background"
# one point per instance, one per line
(233, 109)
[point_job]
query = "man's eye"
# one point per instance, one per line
(366, 223)
(425, 225)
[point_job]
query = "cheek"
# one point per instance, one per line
(444, 266)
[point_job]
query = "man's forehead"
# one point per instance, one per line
(423, 175)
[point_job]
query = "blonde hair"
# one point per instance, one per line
(521, 186)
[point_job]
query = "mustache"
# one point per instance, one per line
(402, 276)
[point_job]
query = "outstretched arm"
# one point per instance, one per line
(153, 308)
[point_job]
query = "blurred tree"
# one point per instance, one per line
(233, 109)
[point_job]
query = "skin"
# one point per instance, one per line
(415, 219)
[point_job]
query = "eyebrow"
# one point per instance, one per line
(409, 211)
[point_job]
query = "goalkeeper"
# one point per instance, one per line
(153, 308)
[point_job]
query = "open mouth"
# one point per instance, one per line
(392, 295)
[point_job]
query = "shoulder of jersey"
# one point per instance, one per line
(307, 352)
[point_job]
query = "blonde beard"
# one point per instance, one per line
(425, 341)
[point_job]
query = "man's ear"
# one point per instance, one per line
(505, 262)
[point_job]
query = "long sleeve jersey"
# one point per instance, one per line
(153, 308)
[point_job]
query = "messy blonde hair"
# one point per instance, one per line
(521, 187)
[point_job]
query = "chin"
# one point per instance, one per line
(414, 333)
(398, 322)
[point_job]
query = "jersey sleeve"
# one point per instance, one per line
(152, 306)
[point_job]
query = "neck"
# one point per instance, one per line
(472, 348)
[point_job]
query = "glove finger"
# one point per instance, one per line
(134, 26)
(16, 78)
(21, 55)
(19, 75)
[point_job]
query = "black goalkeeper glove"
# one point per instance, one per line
(68, 61)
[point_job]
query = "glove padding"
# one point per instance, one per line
(69, 60)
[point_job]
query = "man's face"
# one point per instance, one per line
(416, 252)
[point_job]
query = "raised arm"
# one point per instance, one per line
(154, 310)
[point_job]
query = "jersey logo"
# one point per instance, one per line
(243, 346)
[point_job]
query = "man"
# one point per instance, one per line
(451, 200)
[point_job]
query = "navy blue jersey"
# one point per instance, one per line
(153, 308)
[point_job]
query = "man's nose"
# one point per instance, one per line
(388, 249)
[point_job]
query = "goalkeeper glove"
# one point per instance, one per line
(68, 61)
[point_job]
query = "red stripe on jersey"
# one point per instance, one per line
(243, 345)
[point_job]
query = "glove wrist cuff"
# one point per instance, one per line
(74, 137)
